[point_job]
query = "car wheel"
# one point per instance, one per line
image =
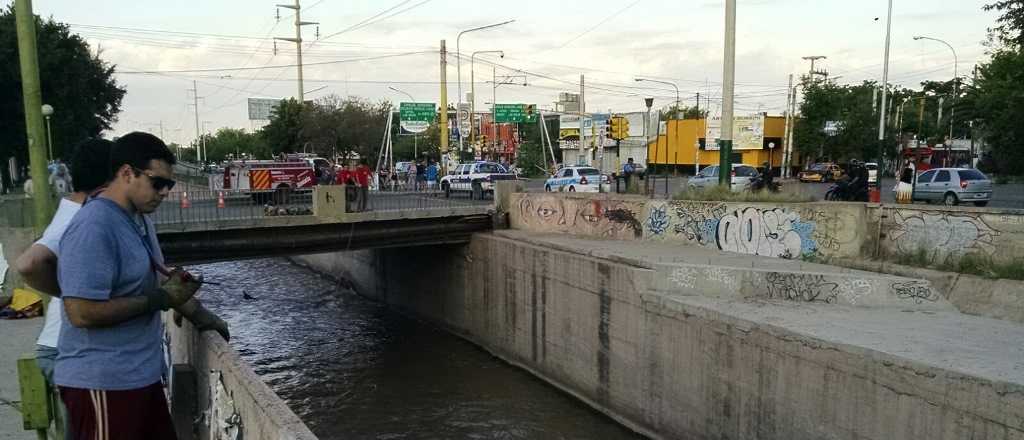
(478, 192)
(572, 189)
(950, 200)
(981, 204)
(547, 188)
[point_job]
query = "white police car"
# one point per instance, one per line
(577, 179)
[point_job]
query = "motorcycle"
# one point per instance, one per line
(758, 184)
(847, 191)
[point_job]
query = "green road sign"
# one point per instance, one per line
(416, 117)
(515, 113)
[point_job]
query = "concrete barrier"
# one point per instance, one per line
(229, 399)
(818, 230)
(671, 364)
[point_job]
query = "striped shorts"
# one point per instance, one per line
(118, 415)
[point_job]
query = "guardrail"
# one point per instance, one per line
(212, 206)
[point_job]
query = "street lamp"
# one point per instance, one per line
(415, 136)
(472, 89)
(458, 64)
(47, 112)
(668, 83)
(956, 79)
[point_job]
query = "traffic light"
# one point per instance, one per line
(609, 130)
(618, 128)
(531, 109)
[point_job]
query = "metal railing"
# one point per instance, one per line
(212, 206)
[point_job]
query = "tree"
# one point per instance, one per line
(333, 125)
(75, 81)
(233, 143)
(284, 132)
(686, 111)
(531, 157)
(1010, 29)
(837, 121)
(998, 98)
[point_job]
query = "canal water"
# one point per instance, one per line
(352, 368)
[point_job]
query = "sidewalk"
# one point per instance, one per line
(19, 337)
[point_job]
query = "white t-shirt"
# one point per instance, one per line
(51, 240)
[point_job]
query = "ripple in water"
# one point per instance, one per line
(350, 368)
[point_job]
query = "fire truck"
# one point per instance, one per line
(274, 179)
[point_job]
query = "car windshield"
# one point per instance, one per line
(588, 171)
(818, 167)
(871, 166)
(971, 175)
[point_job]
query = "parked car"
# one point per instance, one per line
(820, 172)
(707, 177)
(953, 186)
(475, 178)
(577, 179)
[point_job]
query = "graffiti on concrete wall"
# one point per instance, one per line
(657, 219)
(697, 221)
(942, 234)
(601, 218)
(770, 233)
(801, 287)
(915, 290)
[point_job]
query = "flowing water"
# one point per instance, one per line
(352, 368)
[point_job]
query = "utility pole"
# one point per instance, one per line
(32, 96)
(920, 120)
(582, 111)
(443, 122)
(792, 125)
(298, 43)
(199, 134)
(885, 85)
(728, 88)
(813, 72)
(789, 119)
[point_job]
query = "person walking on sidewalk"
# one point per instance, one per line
(363, 175)
(110, 358)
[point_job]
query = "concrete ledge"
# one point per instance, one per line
(262, 415)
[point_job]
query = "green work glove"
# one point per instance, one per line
(177, 290)
(204, 320)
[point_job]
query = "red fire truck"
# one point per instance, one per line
(279, 177)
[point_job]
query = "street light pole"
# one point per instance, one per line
(885, 84)
(956, 80)
(458, 67)
(415, 136)
(668, 83)
(47, 112)
(728, 88)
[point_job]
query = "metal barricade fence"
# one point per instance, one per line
(210, 206)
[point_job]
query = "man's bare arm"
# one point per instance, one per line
(38, 267)
(86, 313)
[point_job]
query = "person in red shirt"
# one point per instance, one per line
(362, 175)
(347, 177)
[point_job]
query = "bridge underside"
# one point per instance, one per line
(205, 246)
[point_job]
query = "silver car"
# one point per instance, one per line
(953, 186)
(708, 177)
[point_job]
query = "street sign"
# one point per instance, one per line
(515, 113)
(260, 108)
(416, 117)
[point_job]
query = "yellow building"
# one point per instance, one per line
(684, 142)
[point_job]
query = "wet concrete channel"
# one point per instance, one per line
(352, 368)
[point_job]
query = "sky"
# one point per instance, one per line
(366, 48)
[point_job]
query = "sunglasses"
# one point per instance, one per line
(159, 183)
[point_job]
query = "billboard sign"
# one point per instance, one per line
(747, 132)
(416, 117)
(261, 108)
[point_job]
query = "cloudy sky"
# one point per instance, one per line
(365, 47)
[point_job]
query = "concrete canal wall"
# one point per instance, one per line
(216, 395)
(786, 230)
(673, 363)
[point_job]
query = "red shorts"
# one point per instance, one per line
(118, 415)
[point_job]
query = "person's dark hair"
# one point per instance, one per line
(137, 149)
(90, 164)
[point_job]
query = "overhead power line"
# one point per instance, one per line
(279, 66)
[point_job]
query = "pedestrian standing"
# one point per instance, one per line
(110, 356)
(410, 175)
(431, 175)
(363, 181)
(421, 175)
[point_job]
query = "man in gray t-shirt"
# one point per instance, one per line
(110, 360)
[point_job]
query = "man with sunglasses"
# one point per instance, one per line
(110, 360)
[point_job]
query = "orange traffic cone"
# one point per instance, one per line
(185, 204)
(220, 199)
